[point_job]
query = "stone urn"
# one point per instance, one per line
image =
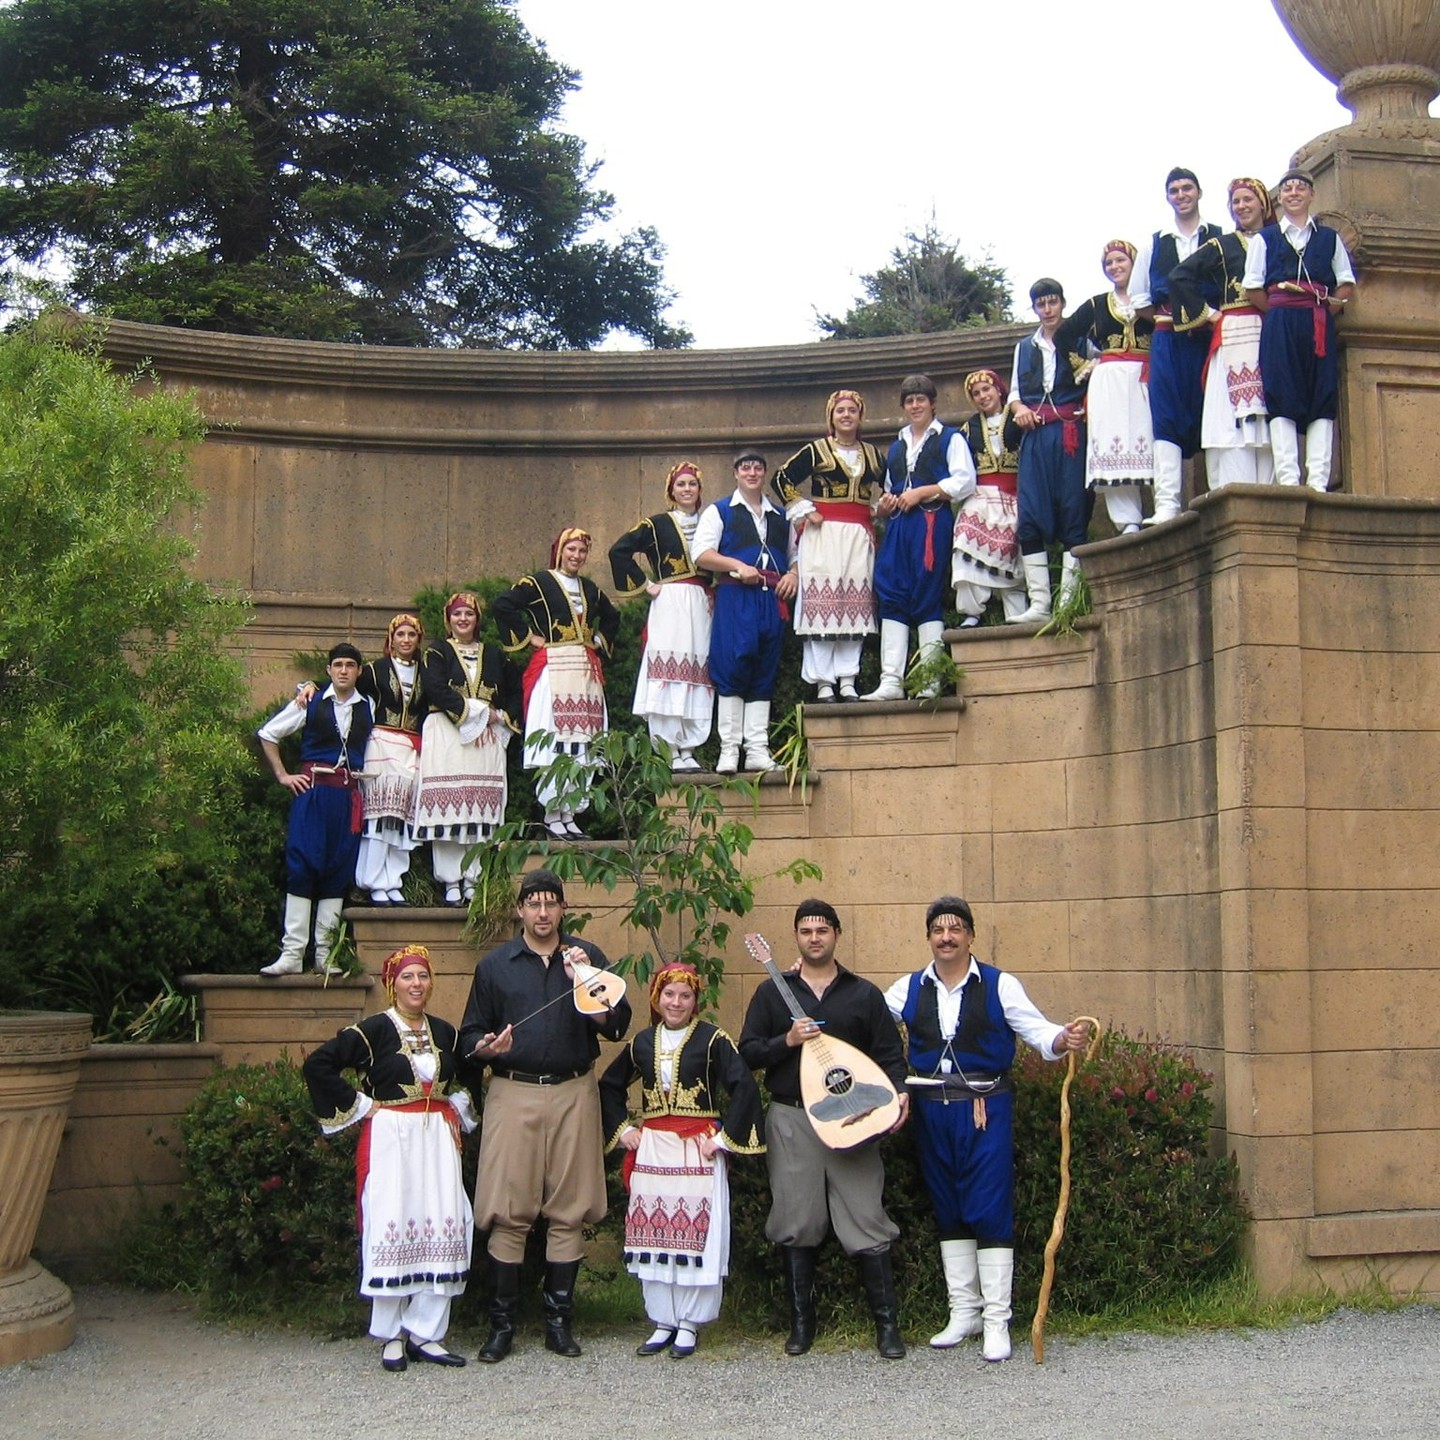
(1383, 55)
(40, 1054)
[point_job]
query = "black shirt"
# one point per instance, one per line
(513, 982)
(853, 1010)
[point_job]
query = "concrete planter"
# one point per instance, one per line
(40, 1054)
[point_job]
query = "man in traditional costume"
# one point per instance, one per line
(541, 1152)
(1299, 274)
(677, 1225)
(745, 543)
(567, 623)
(392, 760)
(474, 704)
(927, 468)
(1120, 457)
(673, 692)
(962, 1019)
(828, 491)
(322, 836)
(1176, 360)
(415, 1222)
(1047, 400)
(1235, 430)
(813, 1187)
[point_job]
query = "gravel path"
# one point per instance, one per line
(145, 1366)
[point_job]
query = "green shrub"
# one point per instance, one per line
(267, 1199)
(1154, 1215)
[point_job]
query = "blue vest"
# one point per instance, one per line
(1315, 263)
(983, 1042)
(1030, 363)
(932, 464)
(320, 740)
(740, 538)
(1165, 256)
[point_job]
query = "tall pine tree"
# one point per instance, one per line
(375, 170)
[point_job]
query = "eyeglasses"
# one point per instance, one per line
(542, 902)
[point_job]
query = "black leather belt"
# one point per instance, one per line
(952, 1087)
(782, 1100)
(558, 1077)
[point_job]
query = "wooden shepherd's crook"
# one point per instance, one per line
(1057, 1229)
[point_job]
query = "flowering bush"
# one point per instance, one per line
(267, 1198)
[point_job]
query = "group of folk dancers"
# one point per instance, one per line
(411, 748)
(549, 1120)
(1221, 342)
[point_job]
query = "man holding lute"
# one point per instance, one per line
(835, 1070)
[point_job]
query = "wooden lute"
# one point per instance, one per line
(846, 1096)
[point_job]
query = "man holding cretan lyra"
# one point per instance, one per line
(962, 1019)
(835, 1070)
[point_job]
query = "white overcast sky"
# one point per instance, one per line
(782, 148)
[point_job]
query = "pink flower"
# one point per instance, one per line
(1152, 1095)
(273, 1183)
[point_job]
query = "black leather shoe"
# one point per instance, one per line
(394, 1362)
(438, 1356)
(654, 1347)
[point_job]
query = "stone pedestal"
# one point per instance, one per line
(40, 1054)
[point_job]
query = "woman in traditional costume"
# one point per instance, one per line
(677, 1225)
(1121, 454)
(1234, 428)
(392, 760)
(986, 556)
(474, 703)
(415, 1218)
(673, 692)
(567, 623)
(829, 489)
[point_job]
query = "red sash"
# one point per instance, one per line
(1069, 416)
(687, 1127)
(1313, 300)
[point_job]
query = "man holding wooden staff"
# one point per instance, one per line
(962, 1018)
(541, 1149)
(813, 1186)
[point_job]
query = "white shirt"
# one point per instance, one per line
(1185, 247)
(291, 720)
(960, 482)
(1299, 237)
(711, 529)
(1020, 1012)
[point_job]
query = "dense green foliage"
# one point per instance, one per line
(1153, 1216)
(319, 169)
(118, 699)
(928, 286)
